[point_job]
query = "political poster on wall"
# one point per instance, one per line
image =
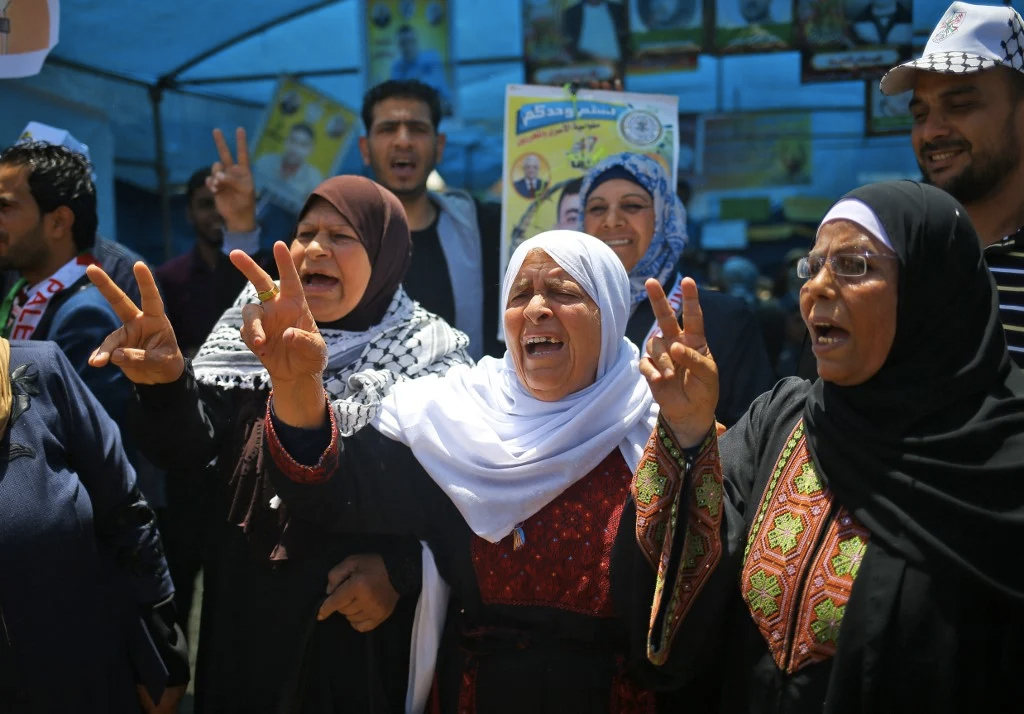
(756, 150)
(886, 115)
(574, 40)
(410, 39)
(852, 39)
(753, 26)
(553, 138)
(29, 29)
(665, 35)
(303, 139)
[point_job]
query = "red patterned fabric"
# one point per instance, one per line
(324, 468)
(628, 698)
(467, 690)
(567, 554)
(800, 561)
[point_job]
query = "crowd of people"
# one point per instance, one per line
(648, 496)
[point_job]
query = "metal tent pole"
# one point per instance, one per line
(156, 96)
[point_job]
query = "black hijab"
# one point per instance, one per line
(379, 220)
(929, 452)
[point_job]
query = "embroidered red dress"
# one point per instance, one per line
(535, 628)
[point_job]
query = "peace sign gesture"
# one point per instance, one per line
(282, 333)
(679, 367)
(144, 347)
(231, 184)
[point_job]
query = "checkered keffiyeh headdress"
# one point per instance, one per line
(968, 38)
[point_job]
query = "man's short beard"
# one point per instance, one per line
(983, 177)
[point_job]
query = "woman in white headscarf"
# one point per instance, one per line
(515, 472)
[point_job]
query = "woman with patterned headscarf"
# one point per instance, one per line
(351, 249)
(628, 203)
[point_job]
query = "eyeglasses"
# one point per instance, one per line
(847, 265)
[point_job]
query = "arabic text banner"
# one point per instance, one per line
(553, 138)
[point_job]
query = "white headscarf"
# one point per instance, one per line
(500, 454)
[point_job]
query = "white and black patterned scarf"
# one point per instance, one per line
(407, 343)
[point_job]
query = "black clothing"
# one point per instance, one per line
(427, 280)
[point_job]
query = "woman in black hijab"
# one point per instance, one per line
(873, 515)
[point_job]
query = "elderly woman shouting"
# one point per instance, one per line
(863, 515)
(515, 472)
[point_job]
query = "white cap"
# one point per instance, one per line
(968, 38)
(37, 131)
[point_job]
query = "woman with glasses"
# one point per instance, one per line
(869, 517)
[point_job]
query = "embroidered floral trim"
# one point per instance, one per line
(325, 466)
(829, 583)
(702, 495)
(800, 561)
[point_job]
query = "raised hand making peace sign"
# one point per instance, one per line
(282, 333)
(679, 367)
(231, 184)
(144, 347)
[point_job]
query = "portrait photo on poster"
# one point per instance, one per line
(885, 115)
(410, 39)
(574, 40)
(852, 39)
(665, 35)
(752, 26)
(302, 141)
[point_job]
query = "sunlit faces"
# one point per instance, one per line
(402, 147)
(621, 213)
(552, 329)
(568, 211)
(331, 261)
(967, 131)
(851, 320)
(23, 244)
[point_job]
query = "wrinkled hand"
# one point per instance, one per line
(231, 184)
(359, 588)
(281, 332)
(169, 702)
(144, 347)
(679, 367)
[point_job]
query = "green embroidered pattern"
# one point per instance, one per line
(808, 482)
(761, 596)
(650, 483)
(693, 548)
(851, 553)
(780, 466)
(826, 625)
(709, 494)
(783, 537)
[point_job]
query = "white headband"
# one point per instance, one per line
(856, 211)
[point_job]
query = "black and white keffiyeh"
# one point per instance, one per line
(407, 343)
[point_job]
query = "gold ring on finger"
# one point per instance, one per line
(265, 295)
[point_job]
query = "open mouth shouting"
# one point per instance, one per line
(404, 167)
(542, 345)
(826, 335)
(315, 283)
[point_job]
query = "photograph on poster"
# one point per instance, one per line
(410, 39)
(303, 140)
(574, 40)
(753, 25)
(852, 39)
(886, 115)
(665, 35)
